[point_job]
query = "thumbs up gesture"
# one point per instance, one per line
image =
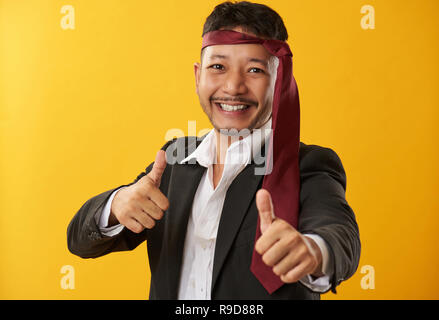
(291, 255)
(140, 205)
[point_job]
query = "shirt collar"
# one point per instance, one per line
(240, 150)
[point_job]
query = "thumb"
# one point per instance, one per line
(158, 167)
(265, 208)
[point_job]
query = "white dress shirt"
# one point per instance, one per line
(202, 228)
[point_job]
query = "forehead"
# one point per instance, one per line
(237, 52)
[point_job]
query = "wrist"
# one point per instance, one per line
(112, 220)
(315, 249)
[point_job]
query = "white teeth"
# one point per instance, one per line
(228, 107)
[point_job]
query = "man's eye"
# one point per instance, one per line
(217, 66)
(256, 70)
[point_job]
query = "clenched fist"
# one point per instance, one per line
(139, 206)
(291, 255)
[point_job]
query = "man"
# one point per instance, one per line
(210, 227)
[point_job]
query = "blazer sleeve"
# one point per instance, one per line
(84, 238)
(324, 210)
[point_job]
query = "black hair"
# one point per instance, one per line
(255, 18)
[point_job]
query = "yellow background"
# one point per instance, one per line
(83, 111)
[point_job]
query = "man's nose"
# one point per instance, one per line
(235, 83)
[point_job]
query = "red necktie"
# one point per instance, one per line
(283, 183)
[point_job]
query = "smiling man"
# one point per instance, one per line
(235, 85)
(215, 229)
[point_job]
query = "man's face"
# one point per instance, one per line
(235, 85)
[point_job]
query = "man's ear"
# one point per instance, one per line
(197, 71)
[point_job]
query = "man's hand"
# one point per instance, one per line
(282, 247)
(138, 206)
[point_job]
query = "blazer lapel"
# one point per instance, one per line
(183, 184)
(239, 196)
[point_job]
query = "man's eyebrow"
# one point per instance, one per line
(218, 56)
(221, 56)
(263, 62)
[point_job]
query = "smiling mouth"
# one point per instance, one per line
(232, 107)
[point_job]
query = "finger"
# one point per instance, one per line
(133, 225)
(274, 233)
(266, 241)
(295, 274)
(295, 254)
(265, 209)
(151, 209)
(286, 264)
(275, 253)
(158, 197)
(158, 167)
(144, 219)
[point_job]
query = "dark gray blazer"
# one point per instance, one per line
(323, 211)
